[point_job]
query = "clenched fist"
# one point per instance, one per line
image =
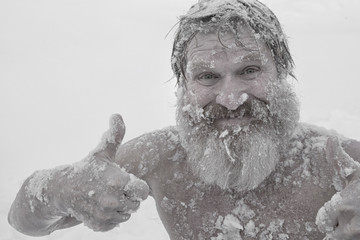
(96, 191)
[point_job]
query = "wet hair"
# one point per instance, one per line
(224, 15)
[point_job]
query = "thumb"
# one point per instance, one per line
(344, 164)
(111, 139)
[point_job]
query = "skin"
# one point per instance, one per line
(221, 72)
(284, 206)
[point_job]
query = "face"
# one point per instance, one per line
(235, 115)
(227, 74)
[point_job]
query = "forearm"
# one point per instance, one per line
(34, 211)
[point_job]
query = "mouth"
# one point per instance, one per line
(233, 122)
(233, 119)
(223, 118)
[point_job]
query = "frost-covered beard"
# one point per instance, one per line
(238, 159)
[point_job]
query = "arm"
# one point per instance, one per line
(95, 191)
(145, 154)
(35, 215)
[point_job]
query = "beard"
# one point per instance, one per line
(237, 158)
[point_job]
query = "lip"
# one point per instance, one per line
(224, 123)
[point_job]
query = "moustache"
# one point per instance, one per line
(253, 107)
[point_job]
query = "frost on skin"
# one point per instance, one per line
(113, 136)
(38, 184)
(233, 100)
(265, 178)
(95, 191)
(322, 217)
(138, 188)
(344, 164)
(283, 207)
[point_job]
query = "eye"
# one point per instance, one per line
(207, 79)
(251, 72)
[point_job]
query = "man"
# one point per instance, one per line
(238, 165)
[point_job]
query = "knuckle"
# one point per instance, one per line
(101, 226)
(109, 203)
(123, 217)
(117, 178)
(353, 229)
(130, 206)
(137, 189)
(100, 216)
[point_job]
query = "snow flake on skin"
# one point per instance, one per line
(168, 205)
(232, 227)
(178, 208)
(322, 218)
(250, 229)
(91, 193)
(38, 183)
(239, 220)
(274, 231)
(304, 157)
(315, 145)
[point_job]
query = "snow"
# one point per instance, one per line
(324, 219)
(66, 66)
(138, 188)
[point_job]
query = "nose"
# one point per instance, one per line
(231, 94)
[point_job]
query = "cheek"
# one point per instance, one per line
(259, 89)
(263, 85)
(200, 95)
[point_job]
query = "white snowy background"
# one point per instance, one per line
(67, 65)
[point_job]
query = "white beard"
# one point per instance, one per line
(237, 159)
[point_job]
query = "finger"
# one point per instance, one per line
(333, 147)
(115, 178)
(111, 204)
(344, 164)
(111, 139)
(136, 189)
(116, 129)
(118, 218)
(102, 221)
(348, 232)
(128, 206)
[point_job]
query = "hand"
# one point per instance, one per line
(343, 214)
(98, 192)
(340, 217)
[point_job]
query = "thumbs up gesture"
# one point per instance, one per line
(98, 192)
(339, 218)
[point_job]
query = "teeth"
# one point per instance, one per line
(242, 113)
(228, 114)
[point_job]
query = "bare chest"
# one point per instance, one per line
(277, 209)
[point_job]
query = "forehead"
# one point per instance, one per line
(213, 44)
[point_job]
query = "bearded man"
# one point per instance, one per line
(238, 165)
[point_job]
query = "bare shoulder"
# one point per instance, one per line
(326, 152)
(352, 147)
(141, 156)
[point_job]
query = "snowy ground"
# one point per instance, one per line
(66, 66)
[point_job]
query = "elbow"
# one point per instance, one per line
(24, 225)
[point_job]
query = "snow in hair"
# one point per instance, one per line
(219, 15)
